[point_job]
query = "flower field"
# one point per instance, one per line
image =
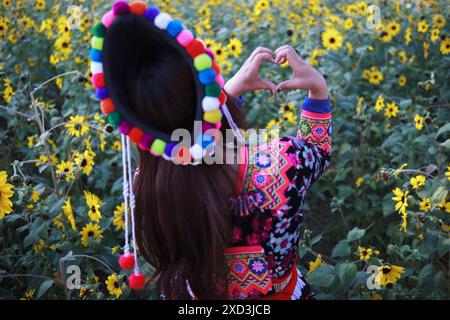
(376, 225)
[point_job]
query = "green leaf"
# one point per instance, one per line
(342, 249)
(438, 195)
(347, 273)
(44, 287)
(443, 131)
(37, 230)
(323, 276)
(355, 234)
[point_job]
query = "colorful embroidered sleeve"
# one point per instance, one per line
(315, 123)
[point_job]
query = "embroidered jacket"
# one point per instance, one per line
(267, 217)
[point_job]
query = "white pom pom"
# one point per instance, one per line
(162, 20)
(196, 152)
(96, 67)
(210, 103)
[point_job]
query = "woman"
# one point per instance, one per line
(219, 231)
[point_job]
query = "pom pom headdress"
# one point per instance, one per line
(210, 104)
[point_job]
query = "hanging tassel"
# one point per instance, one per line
(233, 126)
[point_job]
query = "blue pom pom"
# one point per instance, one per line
(174, 28)
(151, 13)
(95, 55)
(101, 93)
(207, 76)
(205, 140)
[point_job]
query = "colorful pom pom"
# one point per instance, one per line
(196, 48)
(208, 126)
(215, 67)
(223, 98)
(101, 93)
(163, 20)
(99, 30)
(174, 28)
(202, 62)
(168, 150)
(95, 55)
(196, 152)
(136, 281)
(146, 142)
(151, 13)
(107, 106)
(205, 140)
(207, 76)
(114, 119)
(220, 81)
(126, 261)
(213, 90)
(136, 135)
(213, 116)
(210, 53)
(96, 67)
(121, 7)
(97, 43)
(183, 155)
(124, 127)
(108, 18)
(185, 37)
(158, 147)
(210, 103)
(138, 7)
(98, 80)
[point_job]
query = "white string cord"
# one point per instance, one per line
(233, 126)
(132, 204)
(125, 194)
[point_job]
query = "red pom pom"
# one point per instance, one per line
(215, 67)
(98, 80)
(195, 48)
(126, 261)
(107, 106)
(138, 7)
(136, 135)
(222, 98)
(136, 281)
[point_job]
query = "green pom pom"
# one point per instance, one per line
(158, 147)
(213, 90)
(99, 30)
(114, 118)
(97, 43)
(202, 62)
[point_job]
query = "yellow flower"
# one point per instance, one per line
(394, 28)
(359, 182)
(419, 121)
(235, 47)
(447, 173)
(94, 203)
(77, 126)
(402, 81)
(8, 91)
(64, 169)
(30, 293)
(388, 274)
(220, 52)
(402, 200)
(85, 161)
(376, 76)
(417, 182)
(112, 284)
(375, 296)
(422, 27)
(445, 46)
(332, 39)
(365, 254)
(119, 217)
(68, 212)
(289, 117)
(425, 205)
(379, 104)
(35, 195)
(313, 265)
(438, 21)
(391, 110)
(6, 193)
(90, 231)
(444, 205)
(434, 35)
(348, 24)
(40, 4)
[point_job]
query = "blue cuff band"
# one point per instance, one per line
(317, 105)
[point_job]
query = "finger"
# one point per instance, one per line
(260, 50)
(255, 65)
(282, 55)
(290, 85)
(283, 48)
(267, 85)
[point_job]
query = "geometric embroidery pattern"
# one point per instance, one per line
(248, 274)
(317, 131)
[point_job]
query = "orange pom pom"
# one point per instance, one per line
(107, 106)
(136, 135)
(138, 7)
(216, 68)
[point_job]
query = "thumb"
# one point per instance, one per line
(267, 85)
(290, 84)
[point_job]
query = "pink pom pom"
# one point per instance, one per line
(108, 18)
(136, 281)
(125, 127)
(126, 261)
(185, 37)
(98, 80)
(121, 7)
(220, 80)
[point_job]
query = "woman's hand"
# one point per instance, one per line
(247, 79)
(303, 75)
